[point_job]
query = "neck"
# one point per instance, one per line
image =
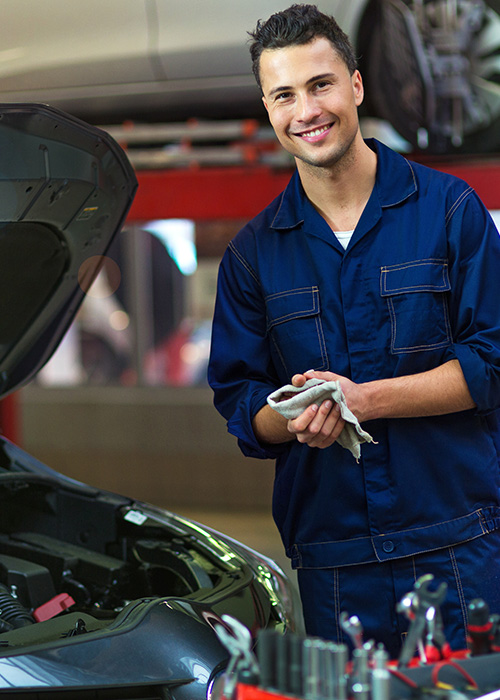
(340, 191)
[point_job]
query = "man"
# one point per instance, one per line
(382, 274)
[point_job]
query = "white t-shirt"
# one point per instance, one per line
(344, 237)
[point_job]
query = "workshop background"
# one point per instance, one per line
(124, 403)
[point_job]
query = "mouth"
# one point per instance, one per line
(316, 134)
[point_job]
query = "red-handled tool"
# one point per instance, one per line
(479, 628)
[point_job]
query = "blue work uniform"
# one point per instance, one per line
(417, 286)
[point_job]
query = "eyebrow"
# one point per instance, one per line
(314, 79)
(283, 88)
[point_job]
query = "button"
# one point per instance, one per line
(388, 546)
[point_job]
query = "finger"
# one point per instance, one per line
(301, 423)
(309, 427)
(326, 425)
(330, 437)
(326, 376)
(299, 379)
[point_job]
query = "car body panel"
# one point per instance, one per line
(65, 189)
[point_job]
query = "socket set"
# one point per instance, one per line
(315, 669)
(291, 666)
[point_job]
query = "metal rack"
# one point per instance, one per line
(199, 143)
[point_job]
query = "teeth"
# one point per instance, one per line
(316, 132)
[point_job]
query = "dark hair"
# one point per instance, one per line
(299, 24)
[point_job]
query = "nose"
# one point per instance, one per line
(307, 108)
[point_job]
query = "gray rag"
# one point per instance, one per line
(290, 401)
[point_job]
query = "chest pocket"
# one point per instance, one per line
(295, 329)
(416, 295)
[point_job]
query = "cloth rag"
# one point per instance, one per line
(290, 401)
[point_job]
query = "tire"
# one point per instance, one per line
(455, 110)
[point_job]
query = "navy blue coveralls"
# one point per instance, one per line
(418, 285)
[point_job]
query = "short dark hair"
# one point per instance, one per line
(299, 24)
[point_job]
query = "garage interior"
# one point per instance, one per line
(124, 404)
(163, 444)
(108, 410)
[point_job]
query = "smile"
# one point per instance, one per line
(315, 134)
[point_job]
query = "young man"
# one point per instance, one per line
(381, 274)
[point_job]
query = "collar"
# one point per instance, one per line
(395, 182)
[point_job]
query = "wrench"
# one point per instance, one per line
(238, 641)
(421, 606)
(353, 628)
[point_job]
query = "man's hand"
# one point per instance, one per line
(356, 395)
(432, 393)
(317, 426)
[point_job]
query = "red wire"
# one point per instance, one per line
(449, 662)
(403, 677)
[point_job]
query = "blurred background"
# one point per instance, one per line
(124, 403)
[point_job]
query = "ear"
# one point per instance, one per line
(357, 86)
(264, 102)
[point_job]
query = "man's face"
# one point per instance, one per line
(311, 100)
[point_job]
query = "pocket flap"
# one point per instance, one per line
(292, 304)
(417, 276)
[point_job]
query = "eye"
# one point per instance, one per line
(283, 96)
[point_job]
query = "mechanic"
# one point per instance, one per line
(382, 274)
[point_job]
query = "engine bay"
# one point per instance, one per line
(73, 554)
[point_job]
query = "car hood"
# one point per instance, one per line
(65, 189)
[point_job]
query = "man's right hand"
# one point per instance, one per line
(317, 426)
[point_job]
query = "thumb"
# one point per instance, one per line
(299, 379)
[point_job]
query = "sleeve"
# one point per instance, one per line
(474, 258)
(240, 369)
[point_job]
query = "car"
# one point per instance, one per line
(431, 67)
(100, 595)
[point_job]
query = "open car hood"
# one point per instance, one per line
(65, 189)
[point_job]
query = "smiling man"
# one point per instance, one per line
(383, 275)
(312, 100)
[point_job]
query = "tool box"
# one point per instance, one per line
(291, 666)
(459, 678)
